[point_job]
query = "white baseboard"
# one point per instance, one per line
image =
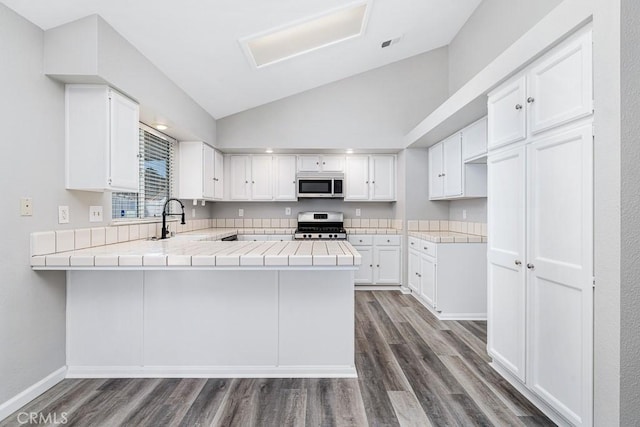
(211, 372)
(450, 316)
(378, 287)
(19, 400)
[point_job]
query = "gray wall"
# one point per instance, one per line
(492, 28)
(416, 194)
(90, 50)
(476, 210)
(630, 221)
(32, 305)
(372, 110)
(277, 209)
(606, 54)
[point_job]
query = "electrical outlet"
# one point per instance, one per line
(203, 202)
(193, 213)
(287, 211)
(464, 214)
(63, 214)
(240, 213)
(358, 212)
(95, 213)
(26, 206)
(195, 202)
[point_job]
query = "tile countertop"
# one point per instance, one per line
(447, 237)
(203, 249)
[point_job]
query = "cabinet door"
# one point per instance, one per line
(240, 176)
(560, 270)
(428, 279)
(382, 172)
(332, 163)
(474, 140)
(436, 182)
(218, 177)
(364, 274)
(309, 163)
(285, 177)
(506, 256)
(262, 178)
(413, 279)
(124, 143)
(387, 265)
(357, 178)
(208, 176)
(506, 114)
(452, 158)
(560, 86)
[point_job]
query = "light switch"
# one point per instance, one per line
(193, 213)
(358, 212)
(95, 213)
(287, 211)
(63, 214)
(241, 212)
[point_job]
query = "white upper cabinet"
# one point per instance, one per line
(357, 178)
(507, 118)
(560, 87)
(445, 168)
(371, 178)
(199, 168)
(321, 163)
(261, 177)
(250, 177)
(285, 178)
(474, 140)
(555, 90)
(382, 172)
(101, 139)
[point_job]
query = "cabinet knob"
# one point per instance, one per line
(518, 106)
(323, 163)
(426, 248)
(531, 266)
(246, 182)
(530, 100)
(518, 262)
(366, 182)
(413, 243)
(317, 163)
(377, 265)
(370, 265)
(373, 182)
(388, 241)
(253, 182)
(443, 174)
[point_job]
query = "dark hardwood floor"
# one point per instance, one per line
(414, 370)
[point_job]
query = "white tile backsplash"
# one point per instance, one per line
(82, 238)
(43, 243)
(65, 240)
(111, 235)
(98, 236)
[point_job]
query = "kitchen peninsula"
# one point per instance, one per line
(194, 306)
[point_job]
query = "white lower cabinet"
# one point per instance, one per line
(381, 259)
(264, 237)
(449, 278)
(540, 260)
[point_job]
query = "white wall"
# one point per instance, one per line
(630, 221)
(372, 110)
(492, 27)
(277, 209)
(476, 210)
(32, 305)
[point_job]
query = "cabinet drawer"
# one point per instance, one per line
(360, 239)
(414, 243)
(428, 248)
(388, 240)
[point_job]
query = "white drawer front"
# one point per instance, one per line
(428, 248)
(387, 240)
(361, 239)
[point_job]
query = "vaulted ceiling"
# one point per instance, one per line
(196, 43)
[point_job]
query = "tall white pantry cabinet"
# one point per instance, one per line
(540, 227)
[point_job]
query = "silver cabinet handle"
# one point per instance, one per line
(530, 100)
(443, 174)
(531, 266)
(426, 248)
(439, 175)
(518, 262)
(518, 106)
(413, 243)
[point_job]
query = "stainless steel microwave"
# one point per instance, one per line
(320, 185)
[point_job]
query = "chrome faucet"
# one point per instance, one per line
(165, 232)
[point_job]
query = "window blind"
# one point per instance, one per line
(157, 168)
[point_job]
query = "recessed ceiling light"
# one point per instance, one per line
(160, 126)
(269, 151)
(350, 151)
(302, 37)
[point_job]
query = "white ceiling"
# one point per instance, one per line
(195, 42)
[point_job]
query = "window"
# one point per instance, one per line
(157, 153)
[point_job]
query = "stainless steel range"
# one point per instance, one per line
(320, 226)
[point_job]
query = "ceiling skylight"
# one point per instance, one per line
(302, 37)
